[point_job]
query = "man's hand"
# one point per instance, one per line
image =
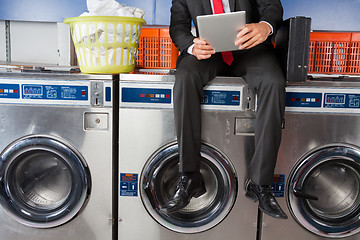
(202, 50)
(252, 34)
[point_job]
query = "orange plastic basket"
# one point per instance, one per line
(329, 52)
(354, 56)
(312, 47)
(156, 50)
(334, 53)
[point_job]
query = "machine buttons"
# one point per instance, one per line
(299, 99)
(9, 91)
(146, 95)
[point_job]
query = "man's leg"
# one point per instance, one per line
(263, 73)
(190, 78)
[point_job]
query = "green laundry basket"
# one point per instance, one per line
(105, 44)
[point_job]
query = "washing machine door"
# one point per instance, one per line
(158, 182)
(324, 191)
(44, 182)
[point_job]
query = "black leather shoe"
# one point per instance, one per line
(188, 186)
(267, 201)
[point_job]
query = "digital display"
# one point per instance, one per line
(335, 98)
(342, 100)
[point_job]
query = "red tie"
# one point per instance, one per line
(218, 8)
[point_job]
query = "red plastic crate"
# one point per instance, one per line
(354, 55)
(156, 50)
(311, 64)
(334, 53)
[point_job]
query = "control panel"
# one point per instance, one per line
(336, 100)
(153, 95)
(160, 95)
(146, 95)
(60, 92)
(303, 99)
(53, 92)
(222, 97)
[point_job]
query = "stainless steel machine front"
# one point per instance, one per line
(148, 167)
(56, 144)
(319, 163)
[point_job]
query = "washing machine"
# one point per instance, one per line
(148, 168)
(317, 178)
(56, 156)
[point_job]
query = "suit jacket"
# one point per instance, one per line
(184, 12)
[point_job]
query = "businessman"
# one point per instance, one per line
(199, 63)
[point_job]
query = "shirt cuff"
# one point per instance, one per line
(272, 29)
(189, 50)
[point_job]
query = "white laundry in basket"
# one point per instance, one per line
(113, 33)
(111, 8)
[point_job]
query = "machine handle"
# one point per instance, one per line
(298, 193)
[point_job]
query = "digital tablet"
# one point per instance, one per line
(220, 30)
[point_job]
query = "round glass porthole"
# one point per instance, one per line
(324, 191)
(158, 181)
(44, 181)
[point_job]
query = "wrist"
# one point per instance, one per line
(267, 26)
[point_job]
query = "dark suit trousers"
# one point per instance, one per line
(260, 68)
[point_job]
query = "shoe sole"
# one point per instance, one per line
(272, 215)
